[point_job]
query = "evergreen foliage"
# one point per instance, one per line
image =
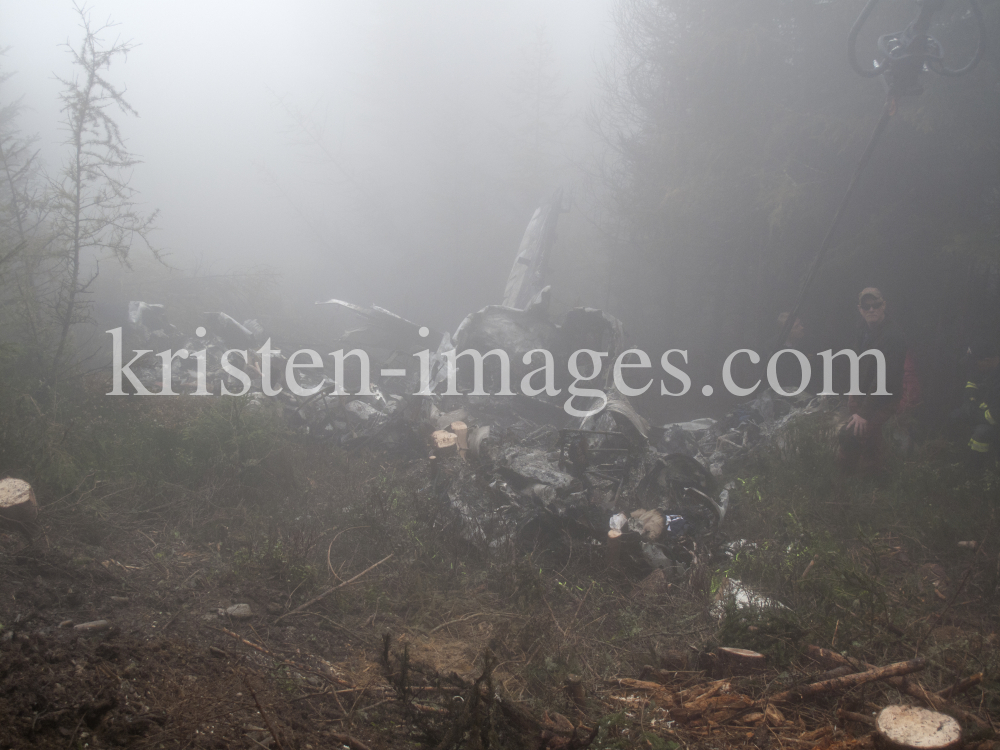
(734, 129)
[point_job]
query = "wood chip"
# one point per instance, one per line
(93, 625)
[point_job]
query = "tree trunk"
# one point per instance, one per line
(18, 508)
(738, 661)
(912, 728)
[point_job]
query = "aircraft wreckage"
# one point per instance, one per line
(506, 469)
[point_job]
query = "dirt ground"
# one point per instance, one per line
(433, 647)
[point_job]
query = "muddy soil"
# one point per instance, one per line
(418, 652)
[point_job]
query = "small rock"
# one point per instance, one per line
(274, 608)
(238, 611)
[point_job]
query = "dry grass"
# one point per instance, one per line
(558, 639)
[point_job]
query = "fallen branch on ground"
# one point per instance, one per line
(300, 667)
(267, 719)
(852, 680)
(330, 590)
(961, 686)
(853, 716)
(913, 689)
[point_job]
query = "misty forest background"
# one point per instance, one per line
(701, 171)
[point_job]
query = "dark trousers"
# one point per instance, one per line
(983, 438)
(861, 452)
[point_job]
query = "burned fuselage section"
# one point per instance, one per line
(515, 424)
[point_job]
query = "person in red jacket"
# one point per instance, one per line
(861, 438)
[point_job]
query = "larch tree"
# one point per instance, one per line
(95, 213)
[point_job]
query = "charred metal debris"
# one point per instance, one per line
(507, 470)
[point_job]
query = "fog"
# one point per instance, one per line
(366, 151)
(392, 153)
(677, 317)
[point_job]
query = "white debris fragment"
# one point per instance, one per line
(742, 596)
(94, 625)
(237, 612)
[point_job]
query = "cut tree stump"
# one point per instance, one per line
(738, 661)
(913, 728)
(461, 431)
(18, 508)
(443, 442)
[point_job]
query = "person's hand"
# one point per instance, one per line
(858, 425)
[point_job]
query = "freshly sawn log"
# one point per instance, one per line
(18, 508)
(913, 728)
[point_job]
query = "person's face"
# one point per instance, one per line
(872, 310)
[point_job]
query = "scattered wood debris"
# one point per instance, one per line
(913, 689)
